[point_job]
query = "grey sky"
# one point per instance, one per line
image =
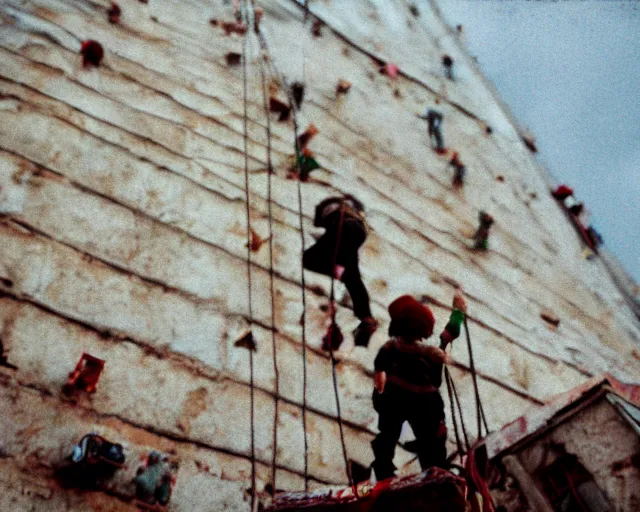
(570, 72)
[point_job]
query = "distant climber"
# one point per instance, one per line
(336, 254)
(434, 120)
(481, 237)
(408, 373)
(447, 62)
(459, 170)
(565, 194)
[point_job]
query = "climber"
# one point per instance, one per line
(447, 62)
(434, 120)
(336, 254)
(408, 374)
(459, 170)
(481, 237)
(565, 194)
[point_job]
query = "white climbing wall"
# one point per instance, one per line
(123, 235)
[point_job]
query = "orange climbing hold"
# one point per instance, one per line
(86, 374)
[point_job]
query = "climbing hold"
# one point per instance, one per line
(86, 374)
(305, 137)
(92, 53)
(481, 237)
(230, 27)
(297, 91)
(255, 241)
(551, 318)
(233, 58)
(154, 482)
(316, 28)
(114, 13)
(343, 86)
(280, 107)
(333, 338)
(413, 9)
(3, 358)
(488, 130)
(247, 341)
(500, 178)
(389, 69)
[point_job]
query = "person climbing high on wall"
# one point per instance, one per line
(481, 236)
(408, 373)
(336, 254)
(434, 120)
(459, 170)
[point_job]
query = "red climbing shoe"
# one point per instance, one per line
(362, 334)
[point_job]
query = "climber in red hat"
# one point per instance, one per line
(408, 374)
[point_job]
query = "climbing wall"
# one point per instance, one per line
(124, 232)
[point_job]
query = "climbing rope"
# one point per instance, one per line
(447, 378)
(332, 306)
(276, 370)
(249, 283)
(480, 416)
(274, 73)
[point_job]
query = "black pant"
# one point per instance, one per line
(424, 412)
(319, 258)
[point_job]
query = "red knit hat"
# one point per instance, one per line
(406, 308)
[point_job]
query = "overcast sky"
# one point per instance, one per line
(570, 72)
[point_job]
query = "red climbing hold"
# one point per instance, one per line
(343, 86)
(86, 374)
(305, 137)
(114, 13)
(255, 241)
(231, 27)
(390, 69)
(92, 53)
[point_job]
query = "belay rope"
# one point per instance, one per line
(248, 216)
(276, 370)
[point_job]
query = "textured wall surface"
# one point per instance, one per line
(123, 234)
